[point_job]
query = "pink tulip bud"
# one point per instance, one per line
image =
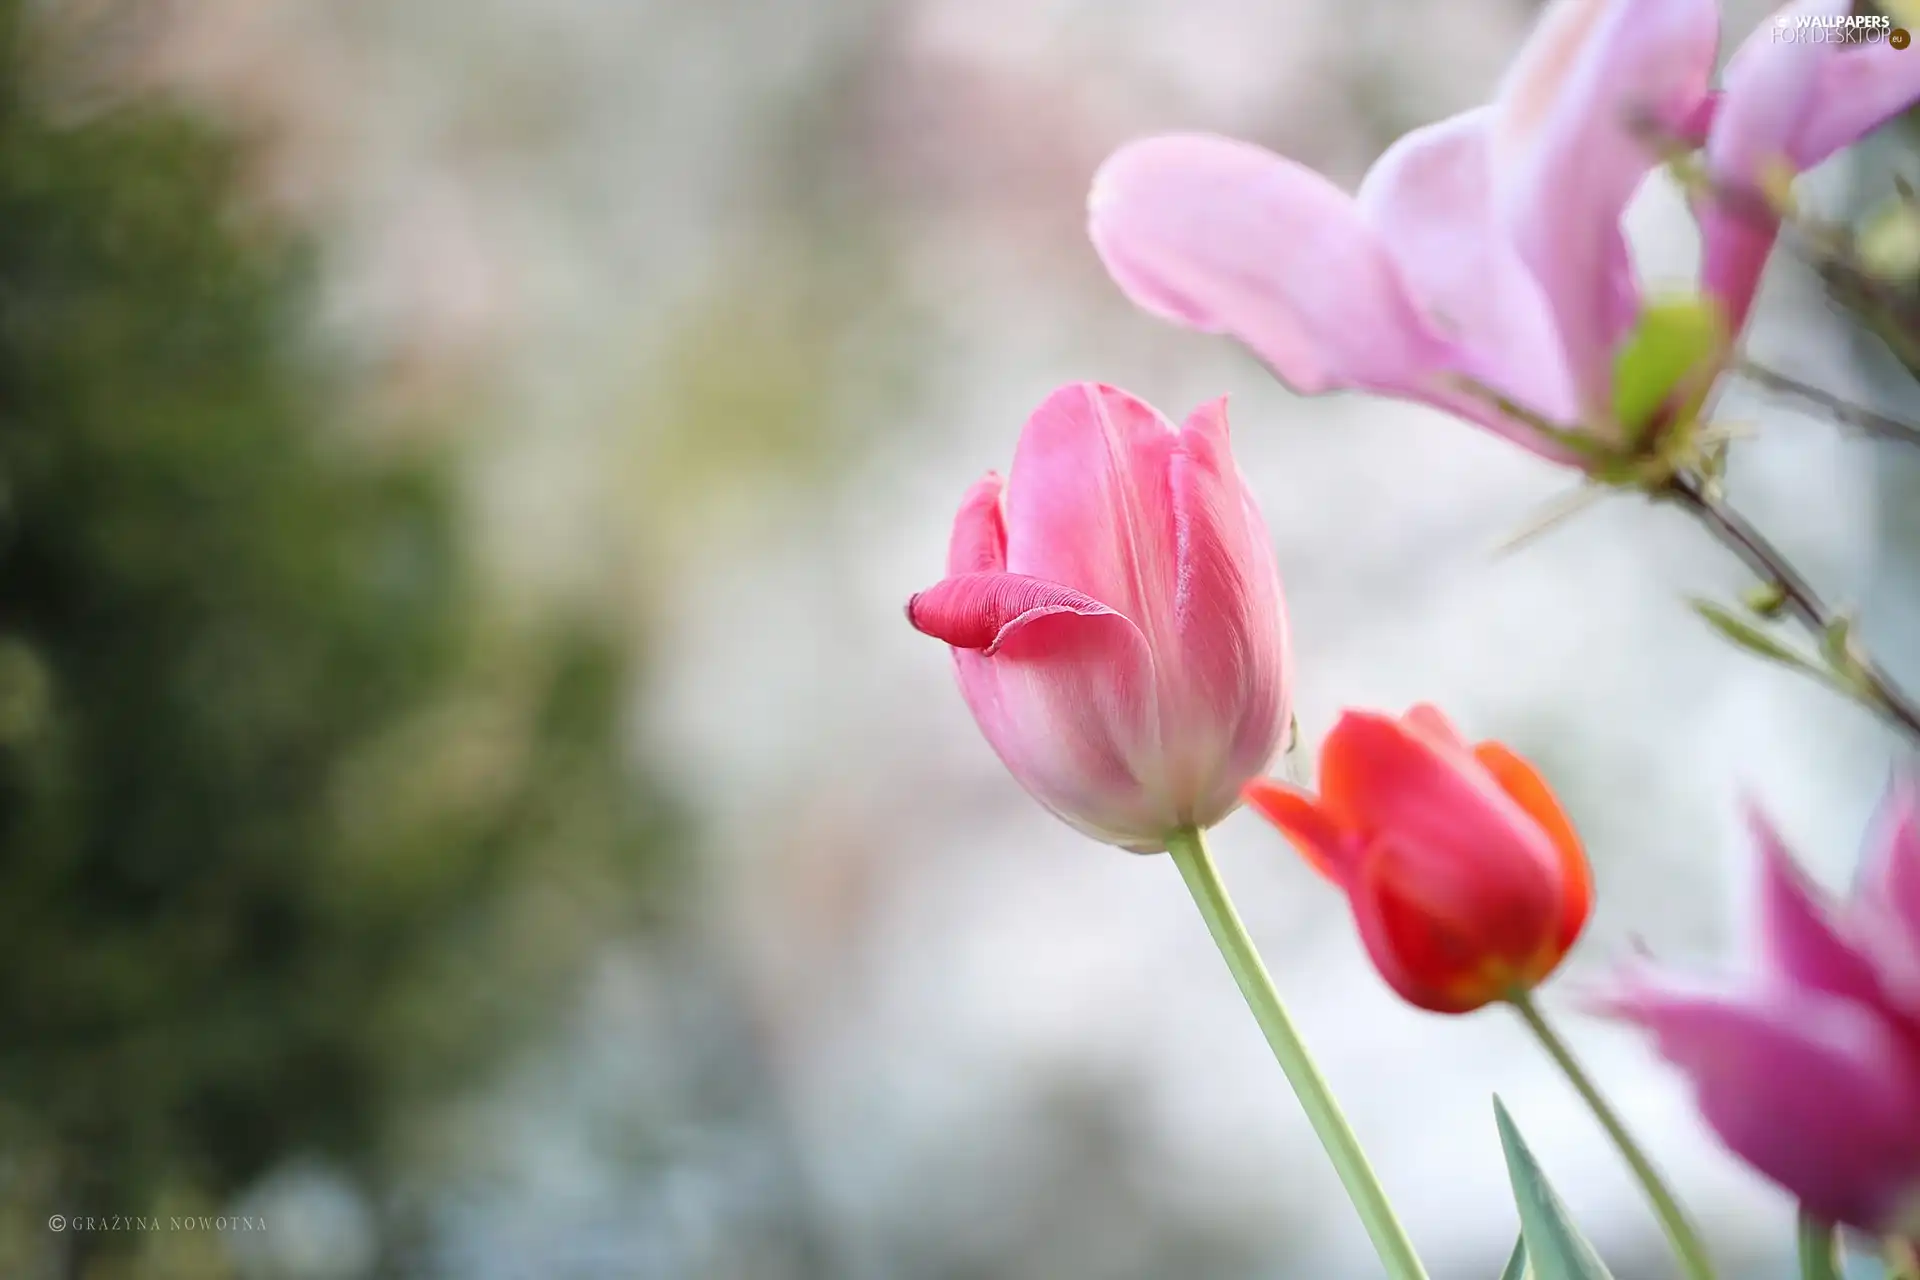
(1116, 618)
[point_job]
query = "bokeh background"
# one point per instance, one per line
(470, 806)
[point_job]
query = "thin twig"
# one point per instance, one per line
(1751, 546)
(1861, 419)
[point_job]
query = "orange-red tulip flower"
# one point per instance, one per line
(1466, 880)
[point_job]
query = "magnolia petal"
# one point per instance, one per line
(1694, 127)
(1821, 1095)
(1885, 911)
(1768, 89)
(1569, 163)
(1799, 941)
(1430, 196)
(1227, 237)
(1228, 669)
(1892, 862)
(1861, 88)
(1735, 245)
(1533, 83)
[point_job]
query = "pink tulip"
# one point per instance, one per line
(1486, 247)
(1116, 618)
(1809, 1068)
(1788, 105)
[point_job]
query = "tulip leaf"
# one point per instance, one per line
(1671, 343)
(1555, 1249)
(1517, 1264)
(1754, 640)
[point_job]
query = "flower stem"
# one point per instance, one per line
(1862, 674)
(1673, 1219)
(1818, 1251)
(1390, 1241)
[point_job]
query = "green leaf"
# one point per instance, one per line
(1517, 1264)
(1819, 1251)
(1671, 343)
(1754, 640)
(1555, 1249)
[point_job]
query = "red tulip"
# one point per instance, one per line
(1467, 882)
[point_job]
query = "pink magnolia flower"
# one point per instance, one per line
(1788, 104)
(1487, 246)
(1809, 1068)
(1116, 618)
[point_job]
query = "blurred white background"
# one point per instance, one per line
(735, 299)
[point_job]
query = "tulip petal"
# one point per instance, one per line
(979, 540)
(981, 610)
(1227, 675)
(1521, 781)
(1568, 162)
(1402, 950)
(1430, 720)
(1445, 940)
(1063, 689)
(1304, 822)
(1815, 1092)
(1431, 199)
(1798, 939)
(1377, 776)
(1227, 237)
(1088, 504)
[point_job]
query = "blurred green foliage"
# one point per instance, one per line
(295, 831)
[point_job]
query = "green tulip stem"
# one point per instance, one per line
(1390, 1241)
(1681, 1233)
(1817, 1249)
